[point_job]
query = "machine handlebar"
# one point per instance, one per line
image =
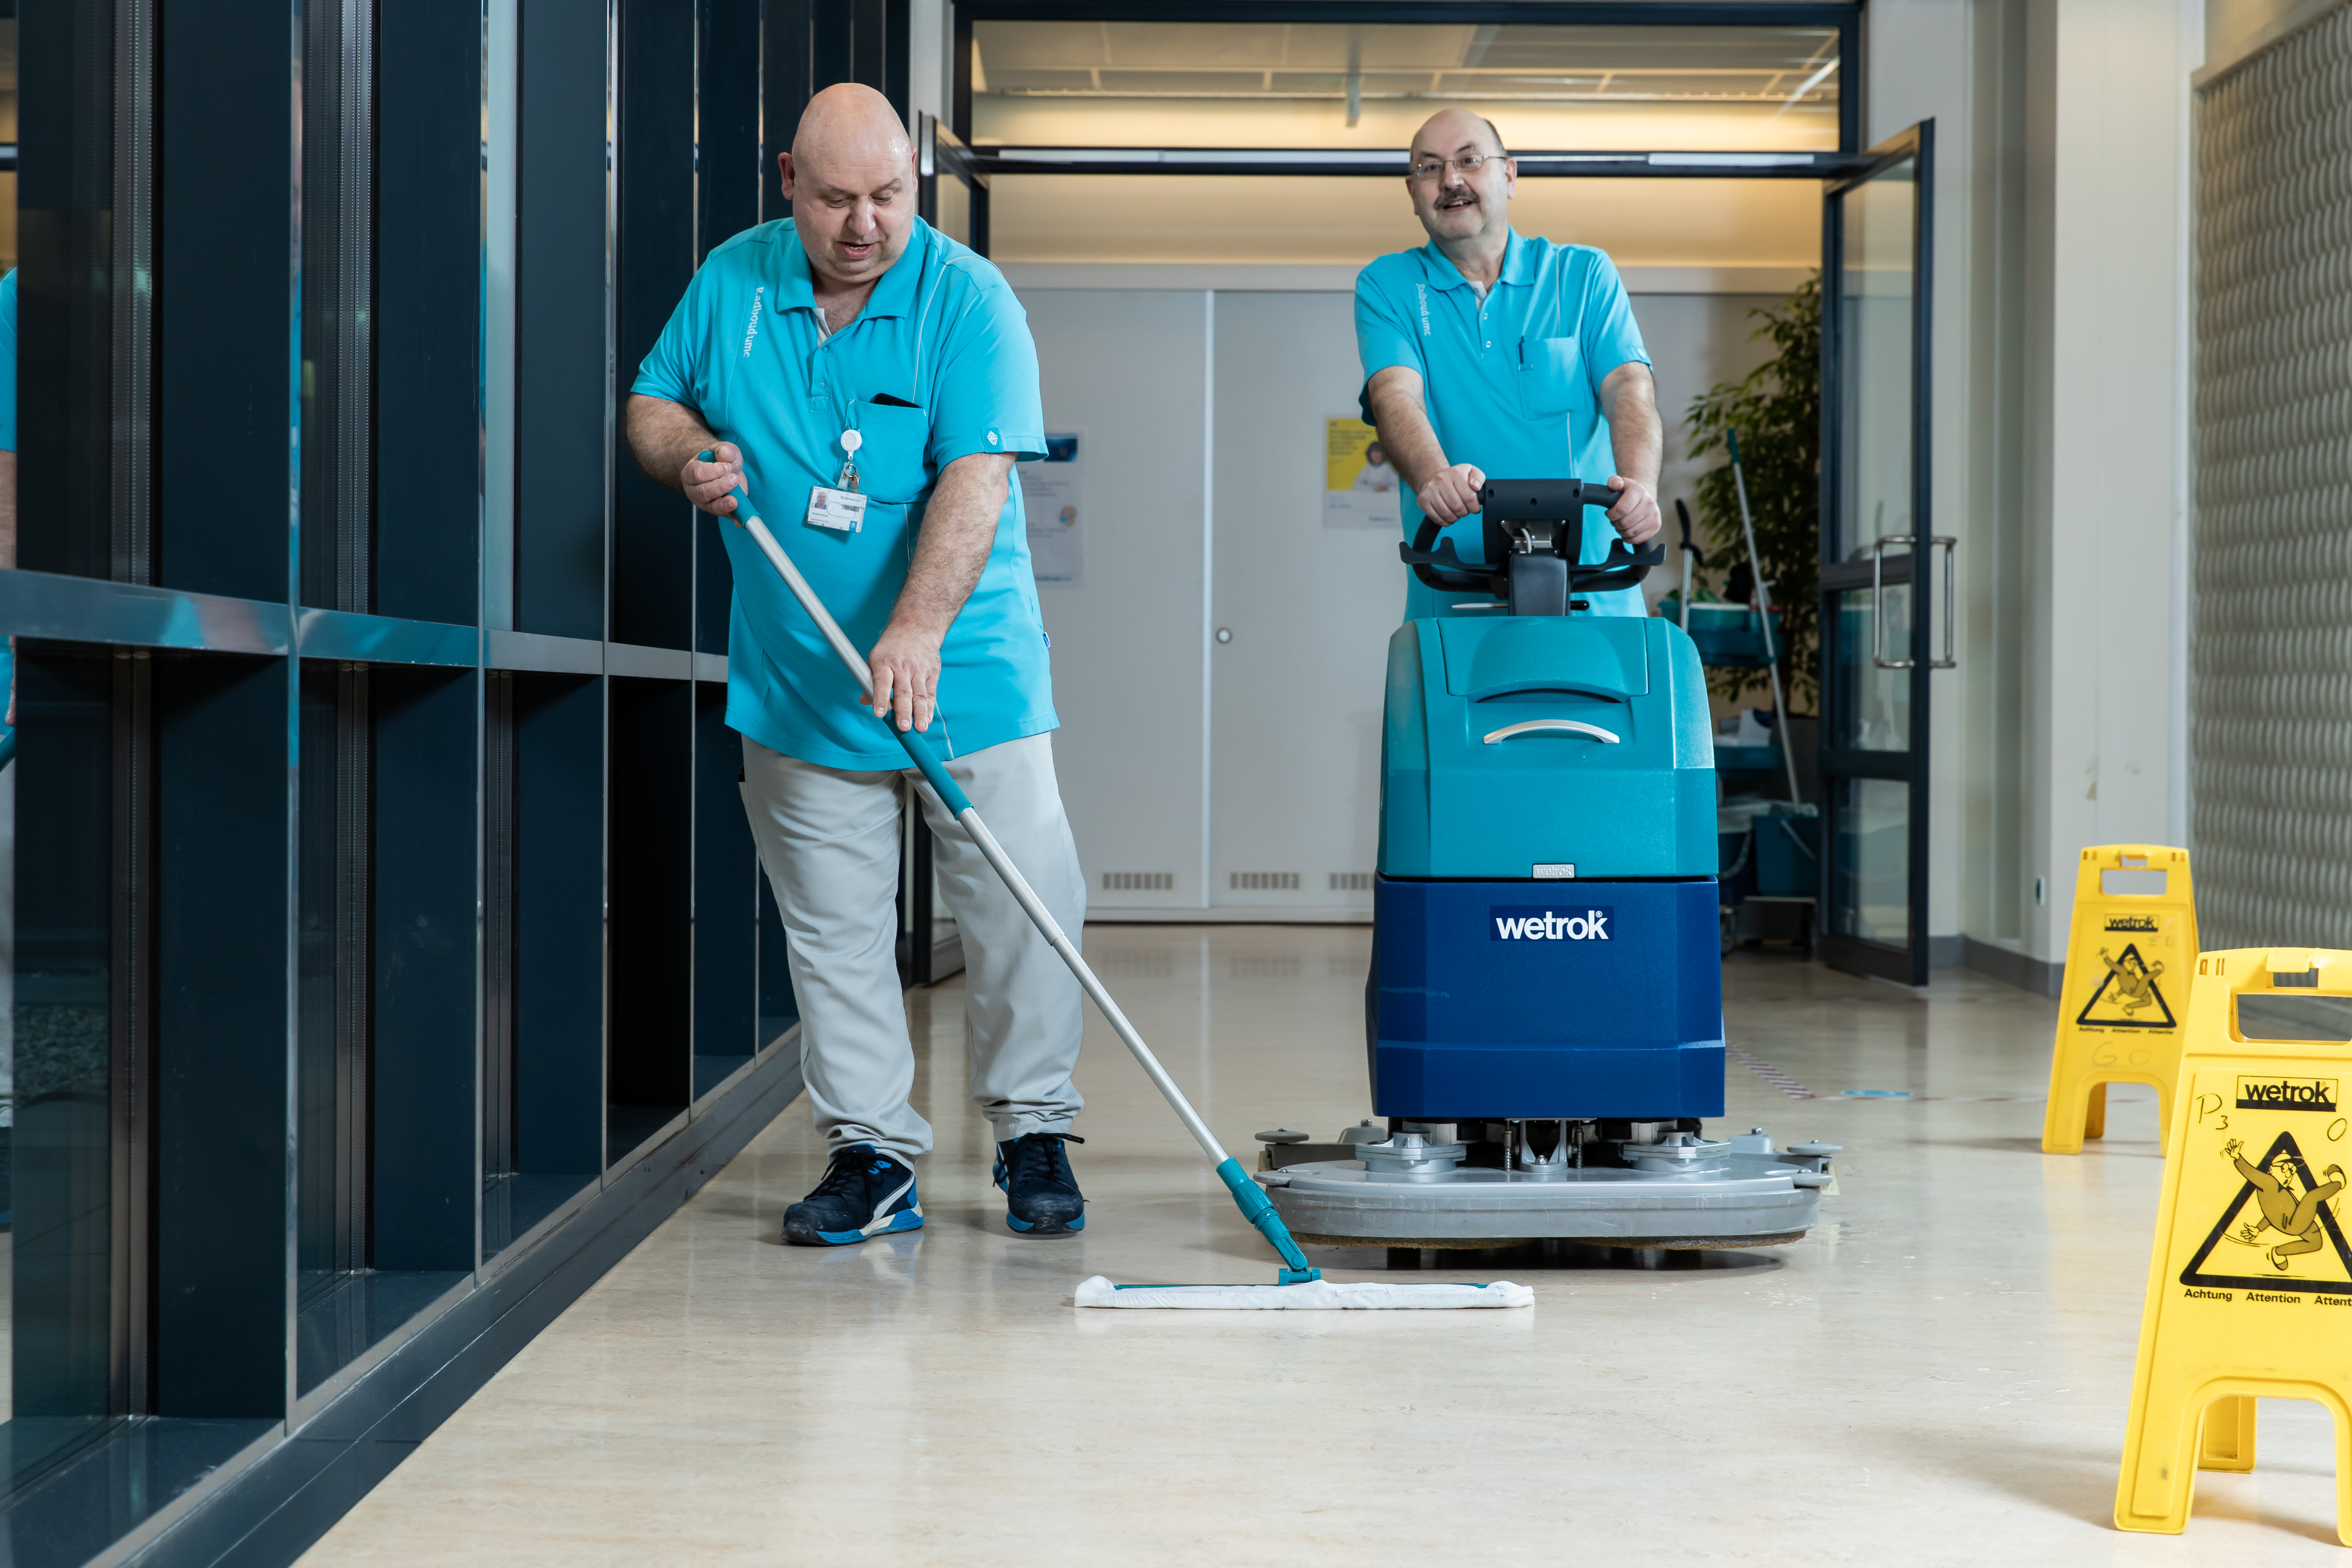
(1560, 502)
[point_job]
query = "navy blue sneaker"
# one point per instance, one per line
(1041, 1195)
(864, 1192)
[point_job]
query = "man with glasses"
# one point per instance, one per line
(1488, 351)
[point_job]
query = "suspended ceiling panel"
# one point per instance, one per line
(1127, 84)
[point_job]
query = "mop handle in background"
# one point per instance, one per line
(1764, 616)
(1255, 1206)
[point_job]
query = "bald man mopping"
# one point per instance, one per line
(873, 382)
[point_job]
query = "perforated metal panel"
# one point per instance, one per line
(2271, 659)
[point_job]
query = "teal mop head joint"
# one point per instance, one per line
(1258, 1209)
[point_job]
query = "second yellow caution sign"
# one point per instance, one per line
(2250, 1286)
(2129, 959)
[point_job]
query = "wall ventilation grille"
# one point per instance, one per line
(2270, 699)
(1139, 882)
(1351, 882)
(1265, 881)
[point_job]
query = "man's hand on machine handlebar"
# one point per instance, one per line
(1635, 515)
(1452, 493)
(712, 486)
(905, 662)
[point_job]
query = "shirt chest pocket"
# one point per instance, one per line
(891, 462)
(1550, 371)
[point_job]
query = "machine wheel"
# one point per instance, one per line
(1730, 930)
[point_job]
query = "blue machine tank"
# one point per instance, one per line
(1547, 929)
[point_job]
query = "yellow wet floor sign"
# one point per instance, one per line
(2249, 1285)
(2129, 959)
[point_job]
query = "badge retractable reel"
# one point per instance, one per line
(840, 506)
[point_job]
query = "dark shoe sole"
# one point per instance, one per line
(1023, 1227)
(905, 1220)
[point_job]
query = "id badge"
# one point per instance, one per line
(842, 510)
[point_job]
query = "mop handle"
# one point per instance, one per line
(1764, 614)
(1248, 1196)
(918, 748)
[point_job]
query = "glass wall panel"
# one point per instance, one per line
(1873, 818)
(1281, 84)
(1873, 705)
(66, 1372)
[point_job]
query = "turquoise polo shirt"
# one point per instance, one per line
(1511, 383)
(942, 331)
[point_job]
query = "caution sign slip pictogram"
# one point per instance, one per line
(2129, 955)
(2250, 1284)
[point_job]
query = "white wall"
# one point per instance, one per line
(1199, 758)
(2105, 398)
(2060, 392)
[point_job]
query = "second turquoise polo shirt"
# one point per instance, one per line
(939, 364)
(1512, 382)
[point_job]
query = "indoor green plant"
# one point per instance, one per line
(1776, 409)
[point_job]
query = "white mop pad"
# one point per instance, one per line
(1323, 1294)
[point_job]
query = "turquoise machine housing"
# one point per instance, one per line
(1547, 934)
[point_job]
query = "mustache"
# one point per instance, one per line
(1454, 199)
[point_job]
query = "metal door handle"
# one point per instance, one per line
(1878, 590)
(1951, 652)
(1530, 726)
(1878, 597)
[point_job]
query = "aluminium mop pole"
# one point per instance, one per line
(1764, 616)
(1255, 1206)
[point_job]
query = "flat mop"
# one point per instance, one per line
(1297, 1283)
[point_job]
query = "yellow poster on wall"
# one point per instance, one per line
(1361, 488)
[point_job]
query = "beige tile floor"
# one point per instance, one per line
(1938, 1375)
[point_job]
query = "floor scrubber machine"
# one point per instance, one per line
(1545, 1012)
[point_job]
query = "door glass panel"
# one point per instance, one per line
(1870, 897)
(955, 209)
(1876, 284)
(1872, 706)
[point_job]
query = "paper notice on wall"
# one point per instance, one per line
(1360, 488)
(1052, 497)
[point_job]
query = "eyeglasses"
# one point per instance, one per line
(1432, 168)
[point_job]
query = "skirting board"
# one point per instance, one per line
(270, 1512)
(2037, 976)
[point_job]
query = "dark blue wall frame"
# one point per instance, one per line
(428, 308)
(559, 897)
(653, 525)
(65, 300)
(425, 768)
(726, 898)
(810, 45)
(730, 174)
(222, 943)
(223, 282)
(649, 1067)
(561, 320)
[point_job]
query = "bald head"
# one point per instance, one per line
(1450, 132)
(850, 177)
(850, 120)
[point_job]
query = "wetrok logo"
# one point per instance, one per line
(1537, 924)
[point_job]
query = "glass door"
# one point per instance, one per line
(1876, 546)
(951, 196)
